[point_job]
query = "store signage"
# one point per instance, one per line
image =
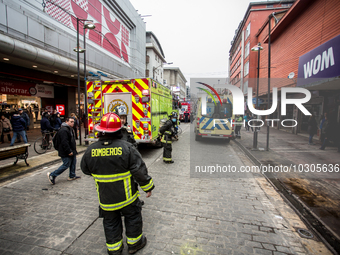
(61, 109)
(320, 63)
(44, 91)
(12, 87)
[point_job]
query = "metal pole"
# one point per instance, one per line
(85, 85)
(257, 94)
(269, 28)
(78, 77)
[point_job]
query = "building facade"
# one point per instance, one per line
(242, 63)
(37, 41)
(154, 58)
(174, 78)
(305, 53)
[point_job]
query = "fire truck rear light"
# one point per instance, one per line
(145, 92)
(146, 126)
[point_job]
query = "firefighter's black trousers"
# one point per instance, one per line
(167, 144)
(112, 223)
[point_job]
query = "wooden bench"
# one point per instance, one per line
(18, 151)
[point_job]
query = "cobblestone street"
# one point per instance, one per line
(183, 216)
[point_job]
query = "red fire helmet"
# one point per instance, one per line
(109, 123)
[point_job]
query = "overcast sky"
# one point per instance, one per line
(194, 34)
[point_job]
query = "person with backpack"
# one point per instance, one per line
(64, 142)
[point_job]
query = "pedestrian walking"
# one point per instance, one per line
(186, 116)
(57, 121)
(246, 116)
(239, 119)
(312, 129)
(25, 117)
(36, 111)
(53, 117)
(115, 164)
(45, 110)
(19, 127)
(324, 127)
(67, 151)
(86, 124)
(6, 129)
(76, 125)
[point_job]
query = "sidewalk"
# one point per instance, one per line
(8, 170)
(319, 192)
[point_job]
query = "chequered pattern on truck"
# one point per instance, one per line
(135, 87)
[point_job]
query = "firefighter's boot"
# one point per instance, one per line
(136, 247)
(118, 252)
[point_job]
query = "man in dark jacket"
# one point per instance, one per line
(24, 115)
(67, 151)
(19, 127)
(115, 164)
(45, 124)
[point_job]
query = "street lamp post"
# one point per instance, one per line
(269, 28)
(79, 50)
(257, 48)
(86, 26)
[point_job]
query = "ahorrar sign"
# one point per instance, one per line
(320, 63)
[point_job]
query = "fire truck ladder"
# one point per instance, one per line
(97, 97)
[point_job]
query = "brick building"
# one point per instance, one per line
(305, 46)
(242, 62)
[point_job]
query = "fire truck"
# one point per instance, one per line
(146, 101)
(185, 106)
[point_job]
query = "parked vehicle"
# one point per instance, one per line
(214, 120)
(146, 101)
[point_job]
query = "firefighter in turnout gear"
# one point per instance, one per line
(166, 131)
(115, 164)
(126, 129)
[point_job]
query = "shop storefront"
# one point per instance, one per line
(30, 97)
(319, 72)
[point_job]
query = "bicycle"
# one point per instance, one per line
(44, 143)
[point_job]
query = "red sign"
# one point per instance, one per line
(60, 108)
(12, 87)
